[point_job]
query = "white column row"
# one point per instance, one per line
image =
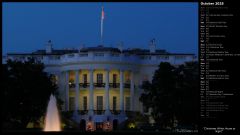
(91, 88)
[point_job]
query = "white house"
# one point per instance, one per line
(101, 84)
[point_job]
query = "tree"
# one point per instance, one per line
(172, 94)
(188, 87)
(26, 92)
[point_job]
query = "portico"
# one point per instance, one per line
(99, 90)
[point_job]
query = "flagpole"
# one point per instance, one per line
(102, 17)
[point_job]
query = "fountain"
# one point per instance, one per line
(52, 119)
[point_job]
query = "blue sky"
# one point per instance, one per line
(28, 26)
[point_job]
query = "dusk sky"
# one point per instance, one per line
(28, 26)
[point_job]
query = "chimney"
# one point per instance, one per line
(49, 47)
(152, 46)
(120, 46)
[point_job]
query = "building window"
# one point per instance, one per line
(163, 57)
(114, 103)
(180, 57)
(84, 78)
(83, 55)
(127, 105)
(85, 103)
(99, 54)
(115, 55)
(114, 78)
(128, 79)
(99, 102)
(99, 78)
(71, 103)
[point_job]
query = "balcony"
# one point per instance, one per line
(99, 85)
(83, 85)
(114, 85)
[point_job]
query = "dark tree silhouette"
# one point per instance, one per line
(26, 91)
(173, 94)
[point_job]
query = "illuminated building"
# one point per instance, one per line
(102, 84)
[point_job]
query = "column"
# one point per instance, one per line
(107, 111)
(91, 93)
(67, 91)
(132, 92)
(121, 92)
(76, 90)
(61, 85)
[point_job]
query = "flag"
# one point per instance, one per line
(102, 13)
(102, 17)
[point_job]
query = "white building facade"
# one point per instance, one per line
(102, 84)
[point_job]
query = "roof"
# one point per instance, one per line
(43, 52)
(101, 48)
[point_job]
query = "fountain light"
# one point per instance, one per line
(52, 119)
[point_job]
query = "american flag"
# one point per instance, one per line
(102, 13)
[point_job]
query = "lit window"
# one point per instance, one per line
(127, 103)
(71, 103)
(85, 78)
(114, 78)
(85, 103)
(114, 103)
(99, 78)
(99, 102)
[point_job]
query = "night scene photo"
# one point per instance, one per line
(100, 66)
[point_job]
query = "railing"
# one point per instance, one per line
(100, 85)
(82, 112)
(126, 85)
(99, 112)
(99, 57)
(116, 57)
(83, 85)
(115, 112)
(114, 85)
